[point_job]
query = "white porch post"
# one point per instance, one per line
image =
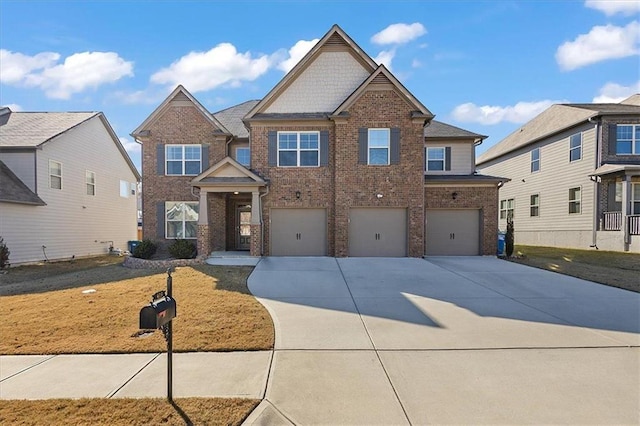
(203, 214)
(626, 208)
(255, 208)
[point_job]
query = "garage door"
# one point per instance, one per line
(453, 233)
(298, 232)
(378, 232)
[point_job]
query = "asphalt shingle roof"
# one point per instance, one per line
(31, 129)
(438, 129)
(231, 118)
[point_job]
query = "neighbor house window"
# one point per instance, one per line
(628, 139)
(535, 160)
(378, 149)
(90, 179)
(55, 174)
(534, 208)
(298, 149)
(575, 147)
(183, 159)
(124, 189)
(181, 220)
(243, 156)
(507, 208)
(435, 159)
(574, 200)
(635, 198)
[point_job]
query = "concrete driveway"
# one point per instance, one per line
(445, 340)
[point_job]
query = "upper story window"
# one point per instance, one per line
(55, 174)
(534, 207)
(183, 159)
(90, 179)
(575, 199)
(243, 156)
(628, 139)
(575, 147)
(298, 149)
(379, 145)
(436, 159)
(181, 219)
(507, 208)
(535, 160)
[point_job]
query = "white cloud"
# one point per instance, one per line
(612, 7)
(201, 71)
(399, 33)
(15, 66)
(13, 107)
(385, 57)
(301, 48)
(489, 114)
(416, 64)
(601, 43)
(614, 92)
(132, 148)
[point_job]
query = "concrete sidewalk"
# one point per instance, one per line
(198, 374)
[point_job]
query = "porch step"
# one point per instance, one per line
(232, 258)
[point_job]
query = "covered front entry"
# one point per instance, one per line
(377, 232)
(453, 232)
(298, 232)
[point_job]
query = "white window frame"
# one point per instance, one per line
(53, 175)
(635, 201)
(535, 163)
(183, 160)
(635, 141)
(443, 160)
(243, 148)
(92, 184)
(507, 208)
(124, 188)
(576, 201)
(387, 145)
(534, 206)
(578, 148)
(183, 221)
(298, 150)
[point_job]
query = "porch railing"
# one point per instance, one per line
(612, 221)
(633, 224)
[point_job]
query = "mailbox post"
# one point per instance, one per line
(159, 315)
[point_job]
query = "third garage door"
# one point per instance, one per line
(378, 232)
(298, 232)
(453, 232)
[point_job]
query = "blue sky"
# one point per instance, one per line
(486, 66)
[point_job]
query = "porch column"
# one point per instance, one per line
(255, 208)
(256, 228)
(203, 243)
(626, 208)
(203, 214)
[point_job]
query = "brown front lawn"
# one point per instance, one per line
(215, 312)
(615, 269)
(197, 411)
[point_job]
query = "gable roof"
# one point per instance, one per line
(335, 36)
(555, 119)
(13, 190)
(178, 92)
(227, 172)
(33, 129)
(383, 76)
(231, 118)
(439, 130)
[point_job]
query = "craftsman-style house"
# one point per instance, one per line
(338, 159)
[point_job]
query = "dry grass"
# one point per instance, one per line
(198, 411)
(215, 312)
(615, 269)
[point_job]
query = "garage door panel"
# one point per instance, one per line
(298, 232)
(453, 232)
(377, 232)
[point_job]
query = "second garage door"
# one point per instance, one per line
(377, 232)
(298, 232)
(453, 233)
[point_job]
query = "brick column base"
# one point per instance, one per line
(204, 240)
(256, 240)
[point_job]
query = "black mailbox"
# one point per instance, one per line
(157, 313)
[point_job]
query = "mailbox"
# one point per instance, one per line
(158, 313)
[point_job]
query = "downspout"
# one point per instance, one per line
(596, 189)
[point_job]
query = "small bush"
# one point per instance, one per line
(144, 250)
(4, 254)
(508, 238)
(182, 249)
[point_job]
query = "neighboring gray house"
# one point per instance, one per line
(67, 186)
(575, 177)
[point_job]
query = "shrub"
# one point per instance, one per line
(144, 250)
(4, 254)
(182, 249)
(508, 238)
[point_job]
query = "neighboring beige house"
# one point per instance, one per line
(575, 177)
(338, 159)
(67, 186)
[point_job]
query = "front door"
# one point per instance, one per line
(243, 228)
